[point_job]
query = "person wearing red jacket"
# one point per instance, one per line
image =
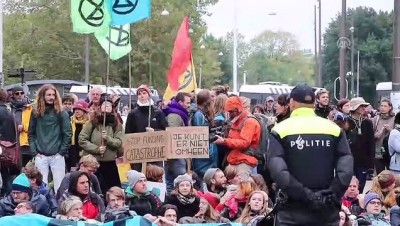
(244, 133)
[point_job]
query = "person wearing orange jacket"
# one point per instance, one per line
(244, 132)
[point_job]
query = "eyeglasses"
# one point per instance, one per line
(376, 203)
(19, 93)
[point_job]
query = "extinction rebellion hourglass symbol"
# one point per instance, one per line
(96, 17)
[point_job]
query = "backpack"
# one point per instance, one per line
(260, 153)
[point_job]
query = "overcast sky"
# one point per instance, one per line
(295, 16)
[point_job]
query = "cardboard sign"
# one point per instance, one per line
(145, 147)
(188, 142)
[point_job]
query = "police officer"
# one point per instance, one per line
(311, 162)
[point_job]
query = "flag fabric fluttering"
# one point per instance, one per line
(187, 83)
(181, 58)
(90, 16)
(181, 75)
(128, 11)
(118, 41)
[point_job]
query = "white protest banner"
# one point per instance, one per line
(188, 142)
(145, 147)
(160, 189)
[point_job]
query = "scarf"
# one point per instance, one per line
(185, 200)
(66, 218)
(19, 105)
(233, 205)
(140, 104)
(175, 108)
(74, 122)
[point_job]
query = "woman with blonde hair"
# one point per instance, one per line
(256, 206)
(390, 199)
(206, 213)
(219, 120)
(383, 184)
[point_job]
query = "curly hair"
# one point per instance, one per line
(41, 104)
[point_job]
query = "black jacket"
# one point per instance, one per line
(322, 111)
(137, 120)
(7, 124)
(304, 157)
(188, 210)
(362, 145)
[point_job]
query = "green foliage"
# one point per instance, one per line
(373, 38)
(38, 34)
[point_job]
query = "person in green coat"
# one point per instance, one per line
(104, 143)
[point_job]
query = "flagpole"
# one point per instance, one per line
(107, 83)
(1, 44)
(87, 61)
(130, 82)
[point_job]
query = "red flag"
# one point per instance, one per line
(181, 55)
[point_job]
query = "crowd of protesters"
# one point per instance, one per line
(69, 150)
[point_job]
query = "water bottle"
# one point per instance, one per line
(353, 220)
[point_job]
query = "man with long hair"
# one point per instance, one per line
(50, 134)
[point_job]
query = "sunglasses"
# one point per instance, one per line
(19, 93)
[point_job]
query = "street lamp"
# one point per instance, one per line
(164, 13)
(352, 62)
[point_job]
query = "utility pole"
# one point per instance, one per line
(319, 44)
(316, 69)
(352, 60)
(87, 60)
(396, 47)
(342, 54)
(235, 46)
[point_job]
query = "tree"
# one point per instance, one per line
(38, 34)
(373, 38)
(275, 56)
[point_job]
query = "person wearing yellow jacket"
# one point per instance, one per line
(22, 108)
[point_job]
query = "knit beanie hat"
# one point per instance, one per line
(21, 183)
(133, 177)
(181, 178)
(143, 87)
(369, 197)
(212, 200)
(209, 174)
(69, 203)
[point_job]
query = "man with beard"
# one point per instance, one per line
(50, 134)
(22, 109)
(177, 115)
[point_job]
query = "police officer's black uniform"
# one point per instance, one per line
(310, 161)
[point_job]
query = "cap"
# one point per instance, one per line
(303, 94)
(181, 178)
(270, 98)
(369, 197)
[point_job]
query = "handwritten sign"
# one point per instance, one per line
(145, 147)
(188, 142)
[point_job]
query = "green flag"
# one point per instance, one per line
(119, 42)
(90, 16)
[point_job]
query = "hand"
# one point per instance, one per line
(386, 127)
(20, 128)
(102, 149)
(104, 135)
(149, 129)
(225, 198)
(219, 140)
